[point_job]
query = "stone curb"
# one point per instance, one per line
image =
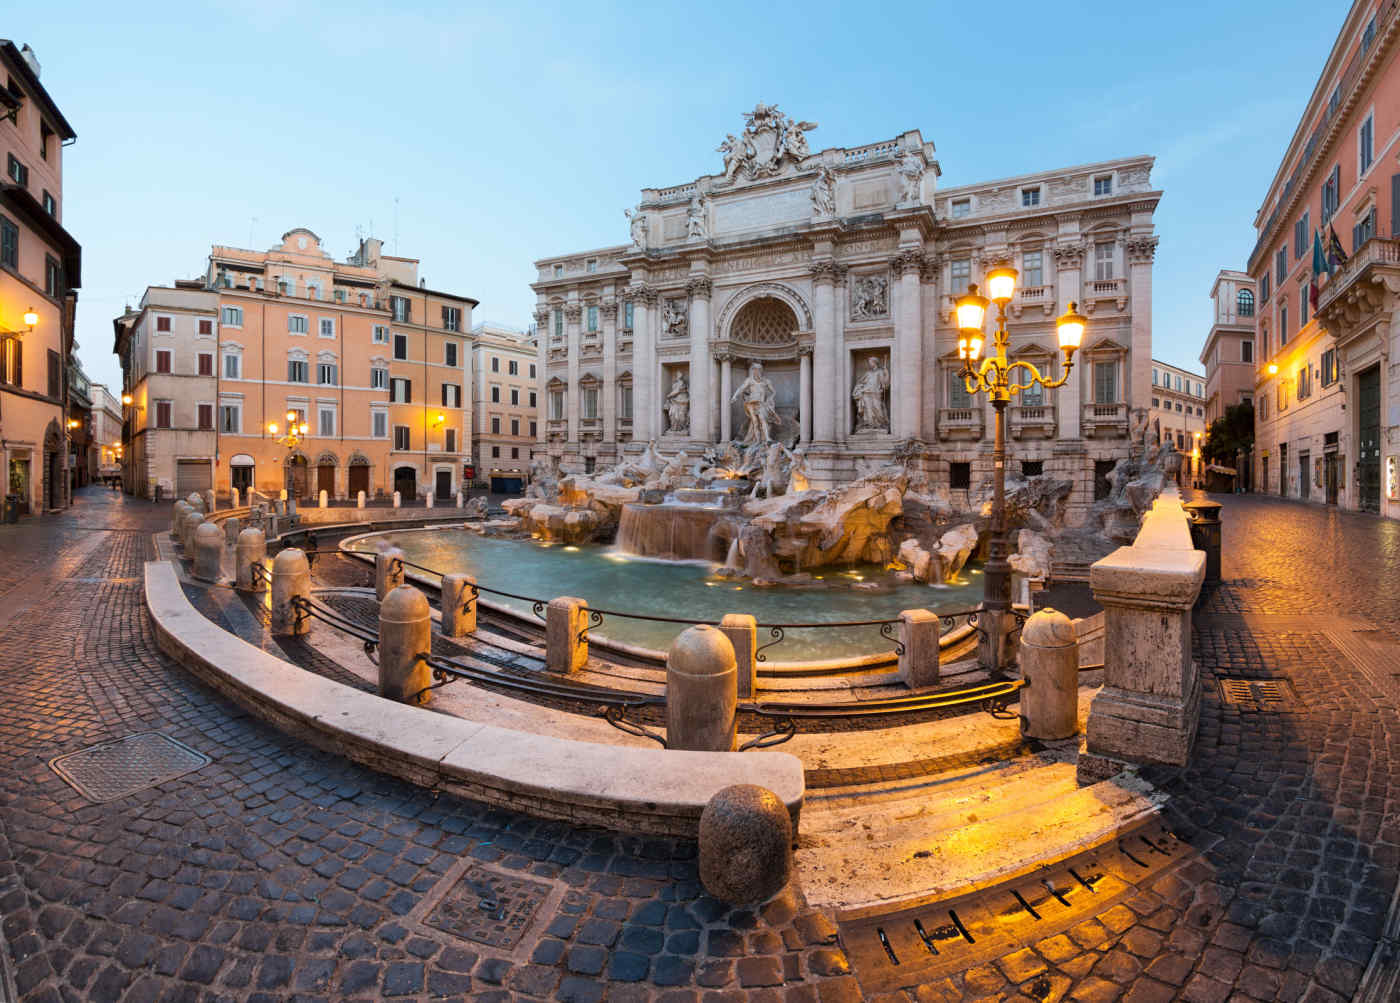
(658, 792)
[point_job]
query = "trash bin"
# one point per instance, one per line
(1205, 534)
(10, 510)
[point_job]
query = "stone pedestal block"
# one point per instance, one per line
(742, 632)
(745, 845)
(701, 691)
(291, 578)
(250, 549)
(1050, 668)
(918, 638)
(208, 552)
(388, 571)
(232, 527)
(565, 642)
(177, 512)
(458, 605)
(404, 637)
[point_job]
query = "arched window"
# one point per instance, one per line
(1244, 303)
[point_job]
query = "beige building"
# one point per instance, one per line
(1228, 354)
(106, 428)
(834, 273)
(505, 368)
(1178, 413)
(361, 352)
(40, 272)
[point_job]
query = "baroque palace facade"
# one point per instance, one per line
(835, 274)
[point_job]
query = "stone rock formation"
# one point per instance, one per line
(476, 508)
(1033, 555)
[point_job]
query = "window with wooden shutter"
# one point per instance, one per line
(206, 325)
(55, 375)
(1395, 205)
(162, 361)
(205, 414)
(163, 324)
(450, 440)
(162, 414)
(206, 364)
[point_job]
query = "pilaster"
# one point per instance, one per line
(1140, 252)
(608, 405)
(825, 348)
(1069, 262)
(572, 312)
(701, 392)
(906, 366)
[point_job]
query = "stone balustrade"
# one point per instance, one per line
(1149, 707)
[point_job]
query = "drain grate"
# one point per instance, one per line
(905, 948)
(1258, 694)
(114, 770)
(488, 907)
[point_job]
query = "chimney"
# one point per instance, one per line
(30, 58)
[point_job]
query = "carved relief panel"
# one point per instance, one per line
(869, 296)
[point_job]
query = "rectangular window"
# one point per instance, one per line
(1329, 367)
(534, 429)
(206, 363)
(1103, 260)
(163, 360)
(1301, 231)
(591, 265)
(163, 410)
(379, 424)
(1103, 184)
(515, 395)
(401, 308)
(556, 405)
(1030, 197)
(1332, 193)
(1369, 35)
(449, 353)
(230, 419)
(400, 390)
(590, 402)
(449, 440)
(19, 173)
(558, 270)
(1105, 383)
(296, 324)
(960, 476)
(325, 419)
(205, 326)
(378, 378)
(532, 370)
(1282, 321)
(325, 374)
(959, 275)
(1178, 383)
(1363, 231)
(9, 243)
(163, 324)
(381, 334)
(513, 367)
(55, 375)
(624, 406)
(339, 295)
(515, 453)
(50, 206)
(204, 415)
(1305, 381)
(961, 208)
(53, 281)
(592, 318)
(495, 426)
(1033, 396)
(233, 365)
(626, 319)
(400, 346)
(958, 397)
(558, 323)
(515, 426)
(533, 399)
(327, 327)
(1032, 468)
(495, 394)
(231, 316)
(1265, 287)
(495, 452)
(1032, 268)
(495, 364)
(451, 395)
(451, 318)
(401, 439)
(1365, 145)
(1246, 351)
(1302, 307)
(1154, 377)
(298, 371)
(1281, 265)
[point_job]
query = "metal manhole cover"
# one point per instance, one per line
(1258, 694)
(488, 907)
(113, 770)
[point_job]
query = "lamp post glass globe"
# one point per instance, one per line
(126, 399)
(1070, 329)
(971, 310)
(31, 317)
(1001, 283)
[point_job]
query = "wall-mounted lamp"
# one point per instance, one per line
(31, 318)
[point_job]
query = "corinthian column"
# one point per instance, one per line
(804, 357)
(726, 390)
(541, 396)
(822, 371)
(1140, 252)
(700, 364)
(644, 376)
(907, 364)
(572, 313)
(608, 405)
(1070, 403)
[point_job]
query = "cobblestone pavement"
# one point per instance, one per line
(280, 872)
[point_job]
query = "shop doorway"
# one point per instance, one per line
(296, 477)
(1368, 453)
(359, 479)
(325, 479)
(443, 486)
(406, 483)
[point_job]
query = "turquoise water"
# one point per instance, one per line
(613, 581)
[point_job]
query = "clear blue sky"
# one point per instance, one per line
(518, 130)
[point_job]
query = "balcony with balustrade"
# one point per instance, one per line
(1100, 291)
(1357, 291)
(1033, 297)
(961, 423)
(1032, 421)
(1104, 421)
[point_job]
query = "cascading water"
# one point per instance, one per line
(672, 531)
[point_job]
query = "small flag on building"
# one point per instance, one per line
(1319, 267)
(1335, 255)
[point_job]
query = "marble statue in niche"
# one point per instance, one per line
(695, 225)
(639, 227)
(824, 193)
(872, 414)
(911, 174)
(678, 406)
(760, 405)
(674, 319)
(870, 297)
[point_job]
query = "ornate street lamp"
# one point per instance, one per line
(992, 376)
(294, 431)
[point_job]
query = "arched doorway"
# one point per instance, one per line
(325, 474)
(54, 478)
(295, 479)
(359, 475)
(241, 474)
(764, 330)
(406, 482)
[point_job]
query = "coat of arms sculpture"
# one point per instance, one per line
(770, 141)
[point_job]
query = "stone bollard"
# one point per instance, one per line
(192, 523)
(1205, 534)
(702, 700)
(196, 502)
(565, 640)
(458, 605)
(1050, 667)
(291, 509)
(742, 632)
(291, 577)
(208, 552)
(359, 499)
(236, 497)
(279, 507)
(745, 845)
(177, 512)
(209, 505)
(232, 526)
(388, 571)
(250, 549)
(282, 495)
(461, 499)
(430, 498)
(918, 636)
(322, 498)
(398, 499)
(404, 635)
